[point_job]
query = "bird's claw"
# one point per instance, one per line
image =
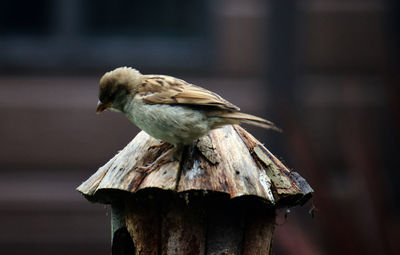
(157, 146)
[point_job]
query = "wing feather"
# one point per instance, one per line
(161, 89)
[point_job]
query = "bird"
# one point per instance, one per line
(169, 109)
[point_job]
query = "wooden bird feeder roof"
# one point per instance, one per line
(228, 160)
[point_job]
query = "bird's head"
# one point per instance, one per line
(115, 86)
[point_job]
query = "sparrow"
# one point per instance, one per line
(167, 108)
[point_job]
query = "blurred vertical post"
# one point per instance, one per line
(281, 62)
(281, 59)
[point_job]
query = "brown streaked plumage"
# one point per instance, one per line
(168, 108)
(170, 90)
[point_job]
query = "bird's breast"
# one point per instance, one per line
(175, 124)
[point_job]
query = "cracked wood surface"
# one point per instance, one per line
(228, 160)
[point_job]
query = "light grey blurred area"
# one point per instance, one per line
(325, 71)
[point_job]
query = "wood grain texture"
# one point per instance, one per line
(220, 199)
(196, 224)
(227, 160)
(226, 226)
(183, 229)
(260, 225)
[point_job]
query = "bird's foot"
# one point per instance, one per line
(157, 146)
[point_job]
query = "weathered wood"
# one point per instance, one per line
(236, 174)
(260, 225)
(197, 223)
(220, 199)
(226, 227)
(143, 223)
(183, 229)
(227, 160)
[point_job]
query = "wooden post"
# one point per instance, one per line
(221, 199)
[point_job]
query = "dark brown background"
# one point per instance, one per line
(326, 71)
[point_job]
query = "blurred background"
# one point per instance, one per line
(326, 71)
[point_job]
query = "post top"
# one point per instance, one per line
(228, 160)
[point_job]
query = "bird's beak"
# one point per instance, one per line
(101, 107)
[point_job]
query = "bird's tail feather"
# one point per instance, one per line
(239, 117)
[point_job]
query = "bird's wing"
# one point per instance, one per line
(161, 89)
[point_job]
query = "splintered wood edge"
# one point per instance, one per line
(284, 187)
(290, 188)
